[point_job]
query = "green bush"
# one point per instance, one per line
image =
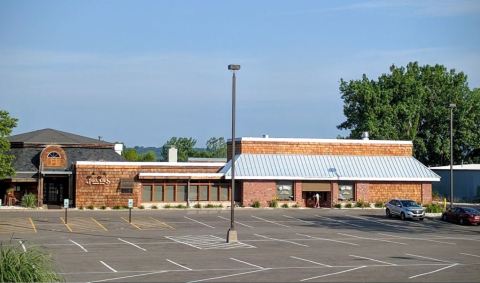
(362, 204)
(296, 205)
(125, 206)
(256, 204)
(167, 206)
(209, 205)
(197, 205)
(141, 207)
(91, 207)
(379, 204)
(180, 206)
(29, 200)
(154, 207)
(273, 203)
(348, 205)
(285, 205)
(220, 205)
(116, 207)
(103, 207)
(30, 266)
(338, 205)
(433, 208)
(80, 207)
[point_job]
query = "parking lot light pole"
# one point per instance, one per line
(232, 233)
(452, 105)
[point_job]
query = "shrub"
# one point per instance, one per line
(273, 203)
(125, 206)
(209, 205)
(197, 205)
(433, 208)
(141, 207)
(256, 204)
(116, 207)
(29, 200)
(220, 205)
(379, 204)
(285, 205)
(103, 207)
(180, 206)
(348, 205)
(91, 207)
(154, 207)
(167, 206)
(296, 205)
(338, 205)
(30, 266)
(80, 207)
(362, 204)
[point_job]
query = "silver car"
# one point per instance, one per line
(405, 209)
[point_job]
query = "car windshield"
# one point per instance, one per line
(471, 210)
(408, 203)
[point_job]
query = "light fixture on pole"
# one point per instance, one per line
(452, 105)
(232, 233)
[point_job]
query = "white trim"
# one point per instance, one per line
(198, 175)
(467, 167)
(309, 140)
(295, 178)
(159, 164)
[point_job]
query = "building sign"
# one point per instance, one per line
(66, 203)
(97, 180)
(130, 203)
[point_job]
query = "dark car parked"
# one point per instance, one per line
(462, 215)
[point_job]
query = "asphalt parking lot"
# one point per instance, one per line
(275, 245)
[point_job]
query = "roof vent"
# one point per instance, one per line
(172, 154)
(265, 136)
(118, 148)
(365, 136)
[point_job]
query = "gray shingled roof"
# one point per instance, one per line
(51, 136)
(329, 167)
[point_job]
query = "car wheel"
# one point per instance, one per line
(402, 216)
(461, 221)
(387, 212)
(444, 217)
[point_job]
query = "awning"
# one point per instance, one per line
(186, 176)
(316, 187)
(56, 172)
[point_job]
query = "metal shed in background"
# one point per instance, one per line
(466, 182)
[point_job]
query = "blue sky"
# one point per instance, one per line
(143, 71)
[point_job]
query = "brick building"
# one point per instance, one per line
(290, 171)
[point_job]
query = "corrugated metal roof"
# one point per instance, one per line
(329, 167)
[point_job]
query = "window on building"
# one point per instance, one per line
(181, 193)
(158, 193)
(203, 193)
(223, 193)
(346, 192)
(147, 194)
(53, 154)
(285, 190)
(126, 186)
(170, 193)
(214, 193)
(193, 193)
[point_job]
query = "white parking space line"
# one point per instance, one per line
(280, 240)
(269, 221)
(426, 273)
(199, 222)
(419, 239)
(311, 261)
(301, 220)
(470, 255)
(372, 259)
(431, 258)
(130, 276)
(178, 264)
(325, 239)
(376, 221)
(456, 238)
(372, 239)
(84, 249)
(132, 244)
(247, 263)
(108, 266)
(236, 222)
(230, 275)
(335, 273)
(340, 221)
(23, 246)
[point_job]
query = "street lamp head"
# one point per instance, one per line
(453, 105)
(233, 67)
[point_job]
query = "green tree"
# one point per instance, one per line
(148, 156)
(7, 123)
(412, 103)
(130, 154)
(217, 147)
(185, 147)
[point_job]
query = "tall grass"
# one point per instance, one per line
(29, 200)
(30, 266)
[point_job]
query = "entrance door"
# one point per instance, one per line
(55, 190)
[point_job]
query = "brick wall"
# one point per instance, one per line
(321, 148)
(427, 193)
(262, 191)
(298, 194)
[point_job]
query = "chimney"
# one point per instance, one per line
(118, 148)
(172, 154)
(365, 136)
(265, 136)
